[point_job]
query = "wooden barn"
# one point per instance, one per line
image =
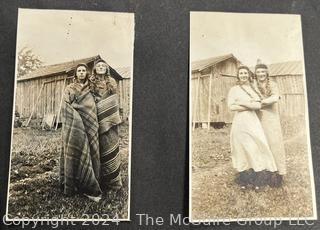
(211, 80)
(290, 80)
(125, 90)
(39, 93)
(213, 77)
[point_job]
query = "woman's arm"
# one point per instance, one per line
(238, 108)
(252, 105)
(274, 97)
(270, 100)
(235, 104)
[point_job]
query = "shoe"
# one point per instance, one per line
(276, 180)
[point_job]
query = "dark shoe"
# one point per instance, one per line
(276, 180)
(245, 178)
(261, 179)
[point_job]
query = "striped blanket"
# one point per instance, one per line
(109, 118)
(108, 112)
(80, 158)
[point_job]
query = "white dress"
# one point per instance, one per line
(249, 146)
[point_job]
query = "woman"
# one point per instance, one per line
(80, 158)
(270, 121)
(104, 90)
(251, 155)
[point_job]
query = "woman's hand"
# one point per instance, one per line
(270, 100)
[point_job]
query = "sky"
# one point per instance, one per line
(62, 35)
(269, 37)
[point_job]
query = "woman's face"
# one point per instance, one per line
(243, 75)
(81, 72)
(261, 74)
(101, 68)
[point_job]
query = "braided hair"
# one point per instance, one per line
(265, 91)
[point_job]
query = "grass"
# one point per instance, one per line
(34, 181)
(215, 194)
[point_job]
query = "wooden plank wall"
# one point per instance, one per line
(222, 81)
(203, 98)
(224, 76)
(124, 96)
(292, 101)
(28, 91)
(195, 86)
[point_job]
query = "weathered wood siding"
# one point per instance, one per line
(292, 101)
(222, 79)
(124, 97)
(28, 91)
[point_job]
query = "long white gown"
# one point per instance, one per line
(249, 146)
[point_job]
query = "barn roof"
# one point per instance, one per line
(205, 63)
(286, 68)
(125, 72)
(64, 67)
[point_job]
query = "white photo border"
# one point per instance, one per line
(128, 219)
(310, 163)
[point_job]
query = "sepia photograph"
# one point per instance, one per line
(250, 154)
(71, 134)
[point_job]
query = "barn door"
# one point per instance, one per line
(52, 98)
(219, 107)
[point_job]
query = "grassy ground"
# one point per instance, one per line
(215, 194)
(34, 182)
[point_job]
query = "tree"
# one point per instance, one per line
(27, 62)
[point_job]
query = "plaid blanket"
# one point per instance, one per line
(80, 158)
(109, 118)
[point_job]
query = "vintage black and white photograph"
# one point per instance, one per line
(71, 135)
(250, 154)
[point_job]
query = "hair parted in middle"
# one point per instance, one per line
(98, 61)
(241, 66)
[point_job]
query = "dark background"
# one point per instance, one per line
(159, 174)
